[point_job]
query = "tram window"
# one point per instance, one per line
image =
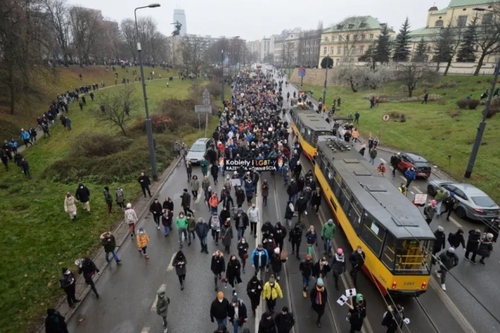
(338, 177)
(314, 139)
(372, 233)
(347, 191)
(356, 205)
(336, 188)
(389, 251)
(413, 256)
(353, 216)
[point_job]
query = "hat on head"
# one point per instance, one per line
(277, 250)
(440, 228)
(320, 282)
(234, 299)
(272, 280)
(63, 270)
(451, 249)
(433, 202)
(129, 205)
(340, 251)
(285, 309)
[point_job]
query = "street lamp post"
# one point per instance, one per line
(149, 129)
(482, 124)
(222, 68)
(326, 79)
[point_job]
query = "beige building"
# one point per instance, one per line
(346, 41)
(459, 13)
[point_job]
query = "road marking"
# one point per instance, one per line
(170, 267)
(258, 201)
(383, 161)
(403, 178)
(416, 189)
(145, 329)
(455, 222)
(412, 193)
(153, 307)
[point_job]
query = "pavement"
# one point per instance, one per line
(128, 291)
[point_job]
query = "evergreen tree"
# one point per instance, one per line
(420, 52)
(383, 47)
(466, 53)
(443, 51)
(402, 43)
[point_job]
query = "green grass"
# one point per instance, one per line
(435, 130)
(39, 239)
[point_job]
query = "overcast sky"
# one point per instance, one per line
(255, 19)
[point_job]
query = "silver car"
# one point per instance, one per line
(471, 201)
(198, 150)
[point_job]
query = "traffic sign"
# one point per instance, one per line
(202, 109)
(302, 72)
(386, 117)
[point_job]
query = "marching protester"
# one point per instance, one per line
(131, 219)
(70, 206)
(319, 298)
(68, 284)
(162, 305)
(142, 242)
(109, 244)
(271, 292)
(180, 263)
(284, 321)
(88, 268)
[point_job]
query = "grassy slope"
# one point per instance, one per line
(38, 237)
(435, 130)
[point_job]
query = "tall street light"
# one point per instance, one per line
(482, 124)
(149, 129)
(222, 68)
(326, 78)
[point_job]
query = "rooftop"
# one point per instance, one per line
(356, 23)
(465, 3)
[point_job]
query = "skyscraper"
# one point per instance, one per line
(180, 16)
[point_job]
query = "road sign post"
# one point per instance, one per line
(302, 73)
(205, 108)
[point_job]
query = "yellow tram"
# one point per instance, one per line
(374, 215)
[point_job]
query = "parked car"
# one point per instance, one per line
(408, 160)
(471, 201)
(198, 150)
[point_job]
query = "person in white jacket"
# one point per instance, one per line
(253, 217)
(69, 206)
(131, 219)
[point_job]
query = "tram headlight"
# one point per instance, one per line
(424, 285)
(394, 284)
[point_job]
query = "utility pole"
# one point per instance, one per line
(222, 68)
(326, 78)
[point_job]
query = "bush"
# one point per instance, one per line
(463, 103)
(181, 112)
(494, 107)
(402, 119)
(473, 103)
(97, 145)
(215, 89)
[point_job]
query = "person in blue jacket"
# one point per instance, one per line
(410, 175)
(259, 258)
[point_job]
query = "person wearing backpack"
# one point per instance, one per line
(162, 305)
(393, 318)
(284, 321)
(131, 219)
(456, 239)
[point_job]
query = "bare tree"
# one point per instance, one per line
(85, 28)
(413, 74)
(488, 35)
(193, 54)
(127, 29)
(115, 107)
(61, 27)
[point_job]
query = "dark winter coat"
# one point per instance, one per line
(305, 267)
(448, 260)
(440, 242)
(254, 288)
(284, 322)
(109, 244)
(288, 212)
(295, 235)
(316, 198)
(455, 239)
(240, 196)
(233, 271)
(485, 248)
(202, 229)
(357, 315)
(242, 313)
(242, 250)
(82, 193)
(338, 264)
(301, 205)
(219, 310)
(241, 221)
(186, 199)
(319, 308)
(155, 208)
(144, 181)
(267, 325)
(267, 229)
(279, 233)
(357, 260)
(88, 269)
(473, 241)
(54, 322)
(317, 270)
(277, 262)
(168, 205)
(311, 238)
(227, 235)
(218, 264)
(180, 263)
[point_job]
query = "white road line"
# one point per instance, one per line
(383, 161)
(145, 329)
(416, 189)
(455, 222)
(412, 193)
(258, 201)
(153, 307)
(403, 178)
(170, 267)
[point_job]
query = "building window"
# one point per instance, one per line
(333, 37)
(487, 18)
(332, 50)
(325, 50)
(347, 38)
(354, 50)
(363, 37)
(351, 26)
(326, 39)
(371, 36)
(361, 50)
(345, 50)
(338, 49)
(439, 23)
(462, 21)
(338, 61)
(362, 25)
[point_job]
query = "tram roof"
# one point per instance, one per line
(400, 216)
(312, 120)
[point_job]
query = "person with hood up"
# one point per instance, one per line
(357, 313)
(316, 200)
(242, 247)
(472, 244)
(456, 239)
(259, 259)
(440, 242)
(109, 244)
(277, 262)
(440, 197)
(241, 222)
(88, 268)
(327, 235)
(237, 313)
(271, 292)
(393, 318)
(319, 298)
(70, 206)
(254, 290)
(266, 323)
(180, 263)
(338, 266)
(162, 305)
(142, 242)
(279, 235)
(289, 209)
(233, 272)
(108, 198)
(447, 260)
(227, 235)
(284, 321)
(217, 266)
(68, 284)
(295, 237)
(156, 209)
(202, 228)
(219, 309)
(82, 194)
(485, 248)
(120, 198)
(357, 260)
(215, 225)
(264, 191)
(429, 211)
(55, 322)
(131, 219)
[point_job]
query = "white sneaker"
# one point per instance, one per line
(158, 227)
(443, 286)
(437, 274)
